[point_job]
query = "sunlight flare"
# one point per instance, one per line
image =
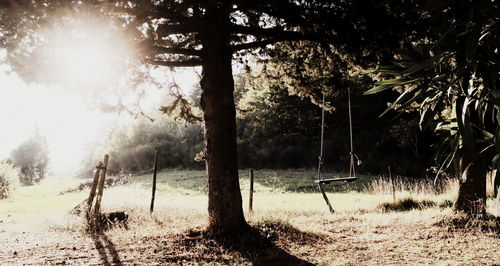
(85, 53)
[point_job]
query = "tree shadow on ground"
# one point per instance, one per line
(462, 222)
(261, 244)
(107, 250)
(259, 247)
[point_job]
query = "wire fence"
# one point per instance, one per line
(130, 172)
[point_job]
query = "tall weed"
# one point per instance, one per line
(9, 179)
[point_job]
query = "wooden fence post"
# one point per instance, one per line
(250, 200)
(155, 169)
(102, 180)
(90, 200)
(392, 184)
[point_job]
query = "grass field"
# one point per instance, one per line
(292, 226)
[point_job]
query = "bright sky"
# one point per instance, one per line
(62, 116)
(62, 113)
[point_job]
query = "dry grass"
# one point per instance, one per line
(289, 227)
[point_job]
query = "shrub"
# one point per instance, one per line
(9, 179)
(32, 158)
(406, 204)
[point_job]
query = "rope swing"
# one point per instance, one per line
(353, 159)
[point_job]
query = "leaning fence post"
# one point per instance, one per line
(102, 179)
(250, 200)
(155, 169)
(93, 189)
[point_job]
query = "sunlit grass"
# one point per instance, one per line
(181, 202)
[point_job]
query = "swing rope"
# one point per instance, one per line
(320, 158)
(353, 158)
(352, 168)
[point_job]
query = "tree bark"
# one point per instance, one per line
(225, 208)
(472, 191)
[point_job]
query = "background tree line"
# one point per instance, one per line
(278, 129)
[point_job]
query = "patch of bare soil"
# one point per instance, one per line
(342, 240)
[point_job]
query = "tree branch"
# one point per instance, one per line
(282, 38)
(257, 44)
(279, 34)
(186, 63)
(168, 29)
(257, 31)
(176, 50)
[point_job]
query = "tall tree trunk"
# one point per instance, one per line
(472, 191)
(225, 208)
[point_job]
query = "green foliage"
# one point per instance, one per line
(131, 147)
(32, 158)
(450, 75)
(9, 179)
(275, 129)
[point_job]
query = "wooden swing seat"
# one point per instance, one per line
(341, 179)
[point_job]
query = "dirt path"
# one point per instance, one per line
(343, 240)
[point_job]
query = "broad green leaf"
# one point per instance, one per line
(463, 122)
(452, 127)
(398, 82)
(415, 97)
(419, 66)
(487, 135)
(378, 89)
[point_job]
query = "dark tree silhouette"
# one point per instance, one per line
(451, 71)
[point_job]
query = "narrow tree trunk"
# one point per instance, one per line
(496, 183)
(472, 191)
(225, 208)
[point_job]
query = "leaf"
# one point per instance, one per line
(389, 83)
(423, 116)
(487, 135)
(378, 89)
(419, 66)
(388, 69)
(398, 82)
(466, 170)
(486, 149)
(415, 97)
(463, 121)
(452, 127)
(402, 98)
